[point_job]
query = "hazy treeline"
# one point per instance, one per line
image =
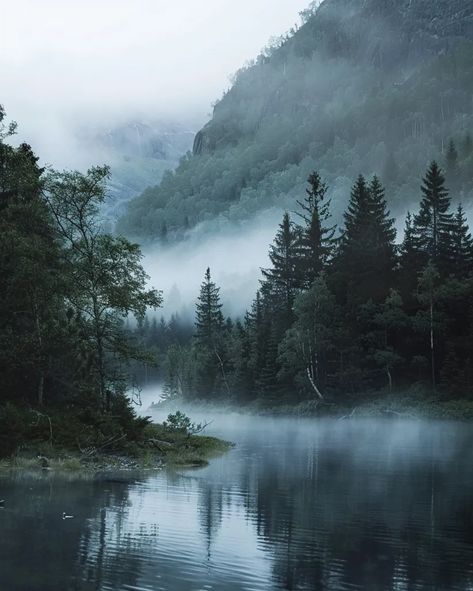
(339, 313)
(378, 87)
(66, 288)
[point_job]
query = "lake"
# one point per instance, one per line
(296, 505)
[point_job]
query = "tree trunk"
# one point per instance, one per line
(104, 394)
(222, 369)
(432, 345)
(313, 384)
(39, 336)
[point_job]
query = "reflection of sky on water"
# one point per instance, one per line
(298, 504)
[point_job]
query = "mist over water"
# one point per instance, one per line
(297, 504)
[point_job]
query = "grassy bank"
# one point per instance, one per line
(105, 443)
(171, 451)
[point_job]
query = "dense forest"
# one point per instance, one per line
(377, 86)
(66, 289)
(339, 314)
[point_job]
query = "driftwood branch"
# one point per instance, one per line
(199, 428)
(91, 451)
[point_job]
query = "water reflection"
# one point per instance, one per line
(297, 505)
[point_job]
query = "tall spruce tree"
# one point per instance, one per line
(411, 261)
(257, 335)
(383, 231)
(433, 223)
(461, 246)
(211, 355)
(267, 381)
(209, 321)
(316, 239)
(283, 277)
(367, 253)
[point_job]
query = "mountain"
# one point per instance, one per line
(139, 153)
(362, 86)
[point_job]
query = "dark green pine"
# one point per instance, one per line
(209, 319)
(316, 238)
(460, 250)
(283, 275)
(433, 223)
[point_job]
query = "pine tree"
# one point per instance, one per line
(209, 318)
(257, 337)
(367, 254)
(433, 223)
(283, 276)
(267, 381)
(411, 260)
(383, 231)
(316, 240)
(461, 246)
(211, 363)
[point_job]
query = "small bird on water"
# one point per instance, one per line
(65, 516)
(2, 502)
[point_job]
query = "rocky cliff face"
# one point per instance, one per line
(400, 31)
(393, 36)
(139, 153)
(363, 86)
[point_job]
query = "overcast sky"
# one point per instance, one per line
(72, 60)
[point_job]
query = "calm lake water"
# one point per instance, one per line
(316, 505)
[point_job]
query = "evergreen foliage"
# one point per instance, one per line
(433, 223)
(332, 323)
(209, 317)
(316, 238)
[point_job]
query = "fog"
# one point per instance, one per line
(66, 65)
(234, 253)
(360, 438)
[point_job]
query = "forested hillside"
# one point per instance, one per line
(138, 153)
(339, 317)
(377, 87)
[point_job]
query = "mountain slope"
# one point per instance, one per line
(371, 86)
(139, 153)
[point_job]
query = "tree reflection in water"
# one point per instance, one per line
(296, 506)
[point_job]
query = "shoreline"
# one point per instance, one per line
(180, 451)
(411, 404)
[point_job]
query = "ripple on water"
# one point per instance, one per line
(298, 505)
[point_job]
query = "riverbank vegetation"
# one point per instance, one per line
(33, 440)
(340, 314)
(66, 290)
